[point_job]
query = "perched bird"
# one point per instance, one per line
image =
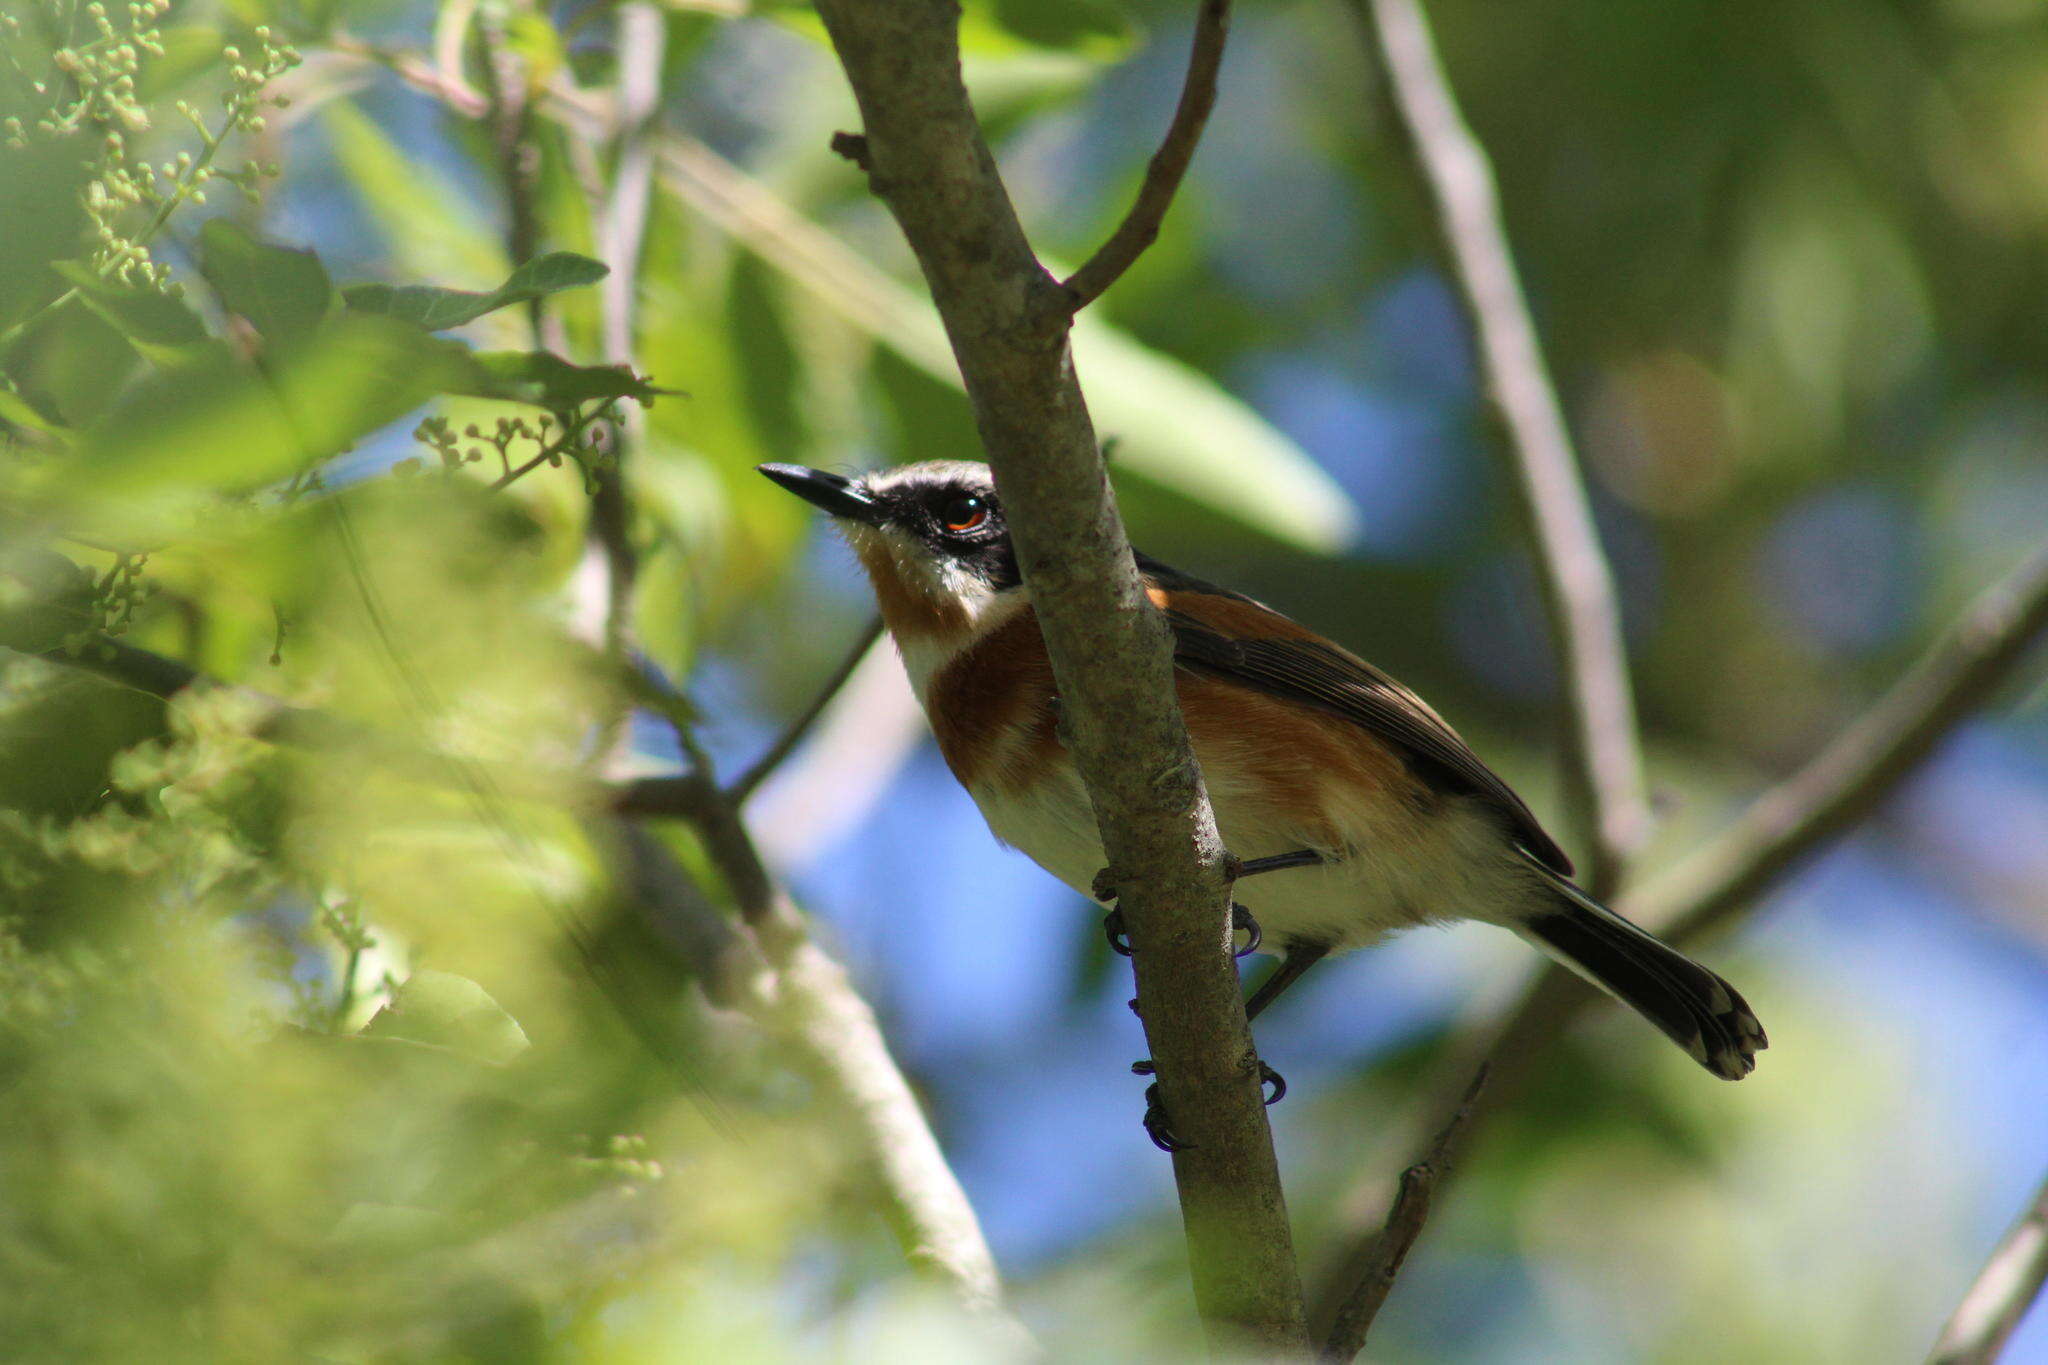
(1362, 811)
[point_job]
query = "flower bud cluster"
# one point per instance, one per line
(91, 90)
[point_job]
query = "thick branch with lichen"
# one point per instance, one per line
(1007, 320)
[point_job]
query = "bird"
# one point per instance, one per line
(1363, 811)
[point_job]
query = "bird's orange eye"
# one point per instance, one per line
(964, 514)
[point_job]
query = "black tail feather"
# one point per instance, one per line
(1694, 1007)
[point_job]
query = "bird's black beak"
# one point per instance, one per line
(840, 496)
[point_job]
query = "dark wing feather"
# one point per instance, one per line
(1333, 680)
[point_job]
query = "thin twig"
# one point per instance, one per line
(1998, 1299)
(1605, 773)
(622, 224)
(1862, 766)
(812, 1002)
(612, 555)
(743, 786)
(1345, 1336)
(1168, 166)
(510, 96)
(1721, 883)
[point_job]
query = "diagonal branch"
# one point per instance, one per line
(763, 767)
(802, 994)
(1166, 169)
(767, 965)
(1405, 1221)
(1605, 774)
(1719, 885)
(1998, 1299)
(1861, 767)
(1008, 321)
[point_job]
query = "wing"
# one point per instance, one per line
(1229, 636)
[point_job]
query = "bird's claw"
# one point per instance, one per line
(1113, 930)
(1241, 921)
(1155, 1124)
(1156, 1127)
(1155, 1114)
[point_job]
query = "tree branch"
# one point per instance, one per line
(1605, 774)
(611, 558)
(1719, 884)
(1864, 764)
(785, 744)
(767, 966)
(1007, 321)
(1389, 1251)
(802, 995)
(1998, 1299)
(1168, 166)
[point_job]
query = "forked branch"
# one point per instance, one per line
(1168, 166)
(1720, 884)
(1007, 321)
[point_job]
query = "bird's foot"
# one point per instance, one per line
(1241, 922)
(1113, 930)
(1156, 1127)
(1237, 869)
(1155, 1124)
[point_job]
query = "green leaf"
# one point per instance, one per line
(440, 1009)
(224, 426)
(23, 412)
(163, 330)
(44, 598)
(1176, 427)
(538, 43)
(283, 292)
(1092, 26)
(545, 380)
(430, 225)
(1173, 425)
(438, 309)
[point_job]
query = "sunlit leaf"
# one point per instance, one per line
(530, 35)
(1174, 425)
(1178, 428)
(223, 425)
(429, 222)
(437, 309)
(283, 291)
(546, 380)
(1094, 26)
(162, 329)
(441, 1009)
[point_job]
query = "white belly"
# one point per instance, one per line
(1394, 873)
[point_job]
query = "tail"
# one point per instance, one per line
(1696, 1009)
